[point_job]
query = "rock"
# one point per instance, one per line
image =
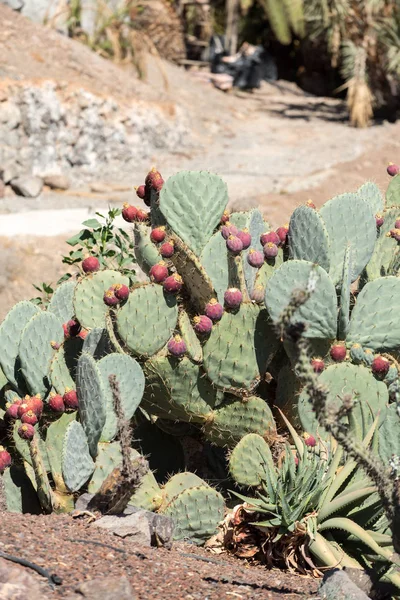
(160, 527)
(100, 188)
(134, 526)
(56, 182)
(2, 189)
(27, 185)
(17, 583)
(9, 172)
(10, 115)
(14, 4)
(115, 588)
(337, 585)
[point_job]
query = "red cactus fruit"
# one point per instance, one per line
(110, 298)
(225, 217)
(56, 403)
(228, 229)
(157, 235)
(282, 232)
(66, 334)
(90, 264)
(173, 284)
(26, 431)
(159, 272)
(338, 352)
(202, 324)
(176, 346)
(142, 216)
(395, 233)
(270, 250)
(129, 212)
(245, 237)
(214, 310)
(309, 440)
(397, 223)
(5, 459)
(140, 191)
(380, 366)
(296, 460)
(234, 244)
(270, 236)
(310, 204)
(83, 334)
(379, 220)
(121, 291)
(318, 365)
(392, 169)
(233, 297)
(12, 408)
(24, 407)
(167, 249)
(36, 404)
(70, 398)
(73, 328)
(258, 294)
(29, 417)
(154, 180)
(255, 258)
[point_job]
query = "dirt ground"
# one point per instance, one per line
(78, 552)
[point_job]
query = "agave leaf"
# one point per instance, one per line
(298, 442)
(337, 504)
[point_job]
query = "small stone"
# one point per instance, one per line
(134, 526)
(17, 584)
(2, 189)
(8, 172)
(14, 4)
(337, 585)
(57, 182)
(28, 186)
(112, 588)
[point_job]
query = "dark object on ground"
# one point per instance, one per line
(248, 67)
(337, 585)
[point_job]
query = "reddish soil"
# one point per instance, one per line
(76, 552)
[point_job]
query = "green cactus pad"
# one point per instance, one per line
(345, 378)
(250, 460)
(130, 379)
(36, 351)
(214, 259)
(308, 237)
(239, 349)
(195, 278)
(389, 434)
(90, 309)
(371, 194)
(62, 301)
(177, 389)
(236, 418)
(190, 338)
(54, 446)
(97, 343)
(146, 251)
(147, 320)
(91, 398)
(63, 365)
(374, 321)
(350, 221)
(193, 203)
(196, 513)
(77, 464)
(179, 483)
(386, 248)
(268, 269)
(20, 494)
(393, 192)
(10, 335)
(344, 308)
(318, 312)
(22, 446)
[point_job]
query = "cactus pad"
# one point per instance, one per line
(373, 321)
(77, 464)
(308, 237)
(371, 194)
(146, 251)
(386, 248)
(389, 436)
(318, 312)
(148, 319)
(36, 351)
(90, 390)
(97, 343)
(393, 192)
(62, 301)
(250, 459)
(54, 446)
(90, 309)
(63, 365)
(344, 309)
(193, 203)
(20, 494)
(192, 342)
(214, 259)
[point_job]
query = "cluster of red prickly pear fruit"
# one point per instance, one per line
(176, 346)
(153, 182)
(395, 233)
(318, 365)
(5, 459)
(392, 169)
(115, 294)
(380, 366)
(132, 214)
(338, 352)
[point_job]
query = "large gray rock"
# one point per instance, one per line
(27, 185)
(56, 182)
(14, 4)
(134, 526)
(16, 583)
(337, 585)
(115, 588)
